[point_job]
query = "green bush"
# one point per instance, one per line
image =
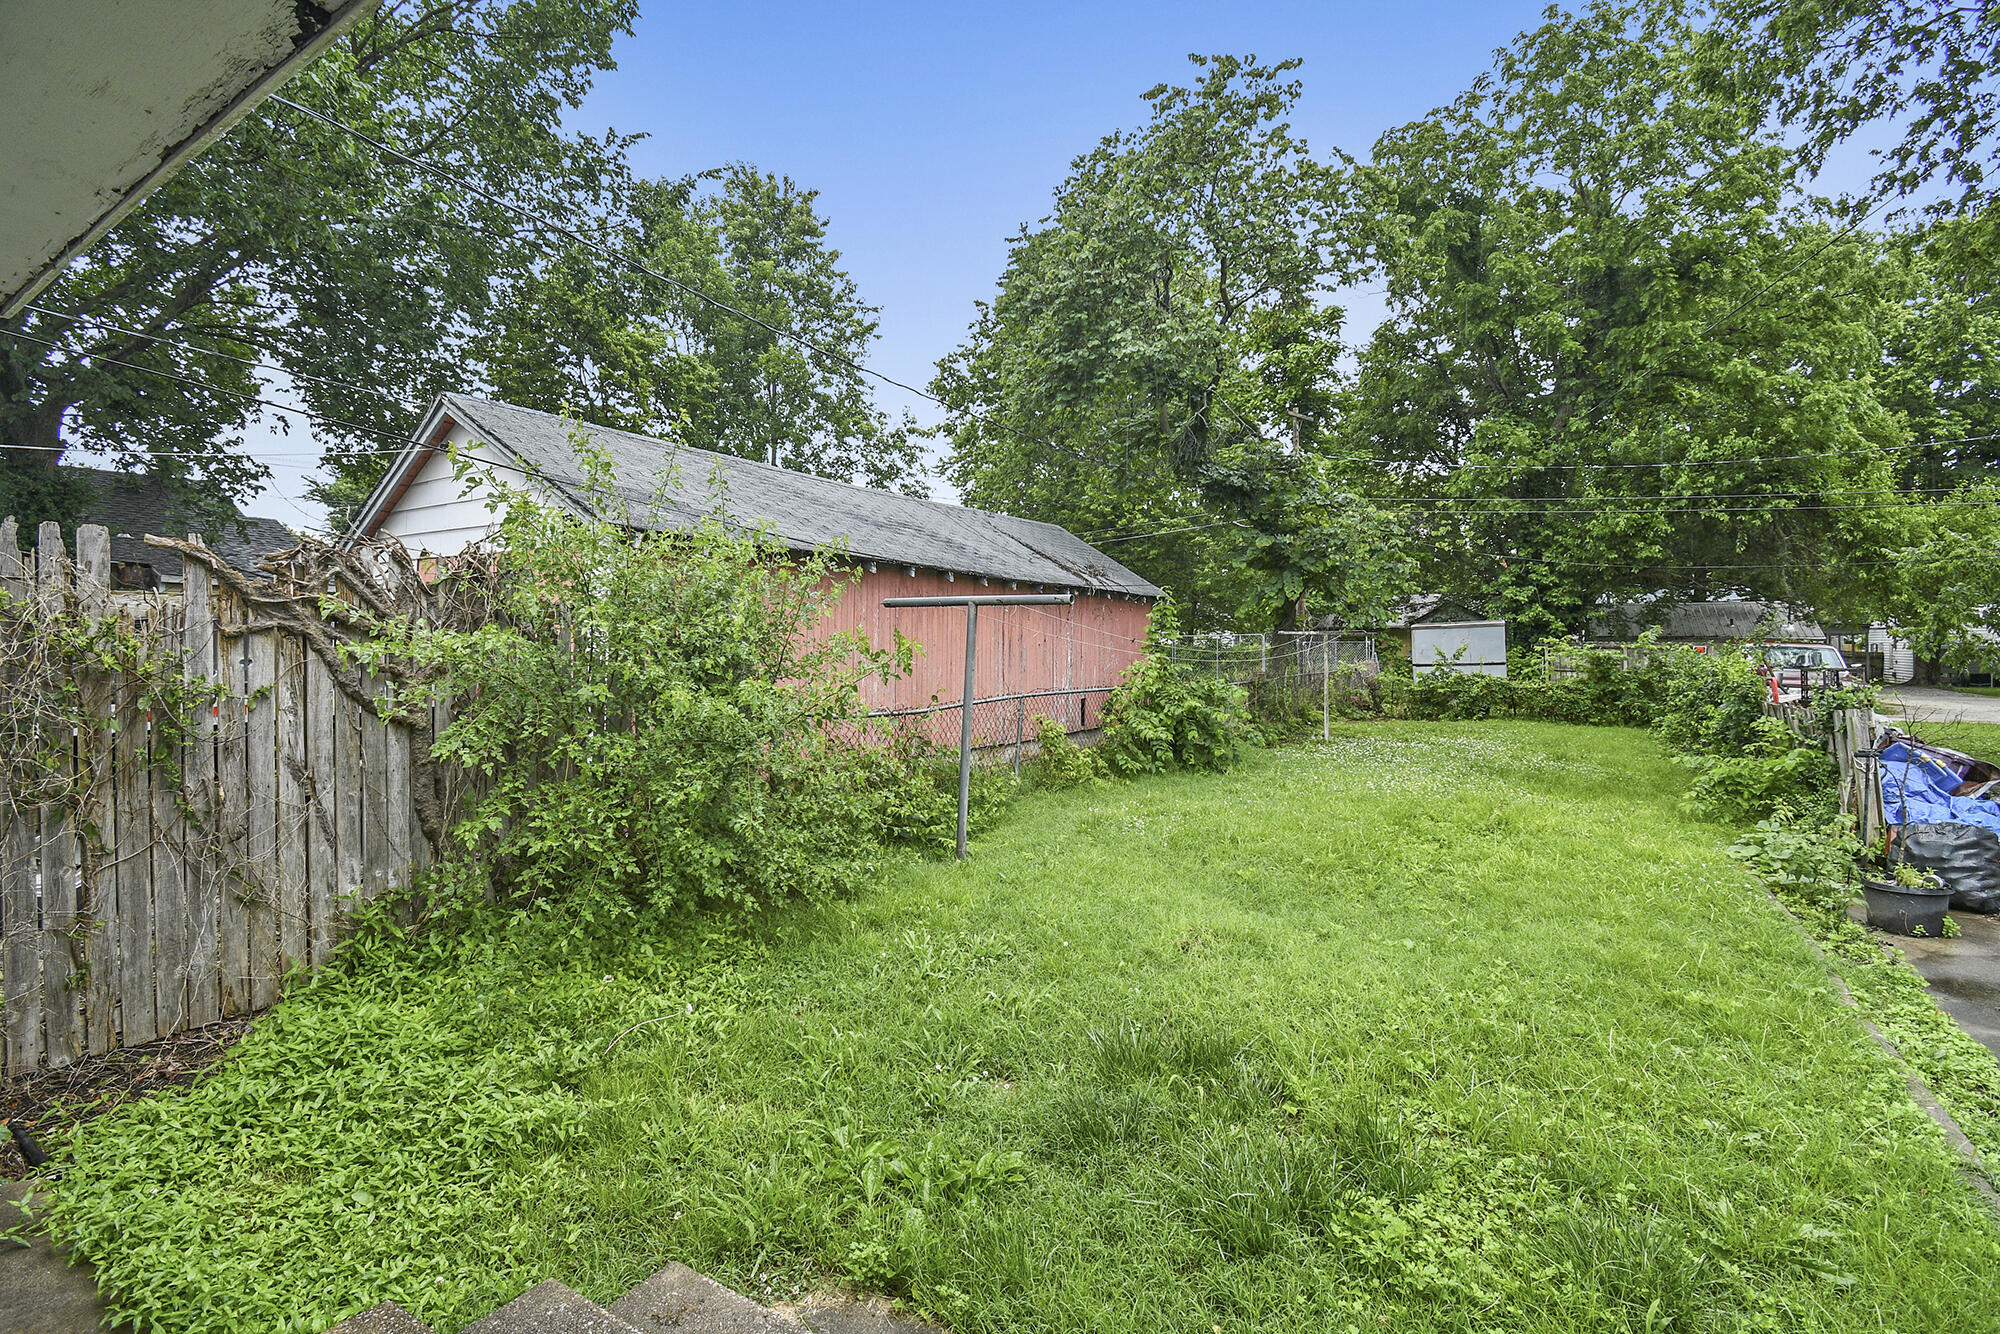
(1808, 862)
(908, 791)
(651, 721)
(1059, 761)
(1167, 715)
(1736, 788)
(1707, 703)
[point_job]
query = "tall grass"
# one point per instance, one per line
(1437, 1027)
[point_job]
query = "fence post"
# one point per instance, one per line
(20, 941)
(1020, 730)
(1325, 692)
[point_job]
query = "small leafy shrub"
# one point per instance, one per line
(907, 791)
(1708, 703)
(1808, 863)
(1166, 715)
(1281, 708)
(1455, 696)
(1772, 769)
(1060, 762)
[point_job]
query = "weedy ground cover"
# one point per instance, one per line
(1436, 1027)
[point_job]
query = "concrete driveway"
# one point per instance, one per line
(1927, 704)
(1964, 973)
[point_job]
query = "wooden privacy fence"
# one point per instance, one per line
(177, 881)
(1849, 737)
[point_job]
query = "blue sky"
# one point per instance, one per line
(933, 132)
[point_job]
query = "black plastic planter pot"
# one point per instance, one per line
(1903, 911)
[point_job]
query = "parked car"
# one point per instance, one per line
(1799, 671)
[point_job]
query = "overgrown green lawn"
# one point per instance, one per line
(1458, 1027)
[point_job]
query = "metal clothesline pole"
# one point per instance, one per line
(972, 606)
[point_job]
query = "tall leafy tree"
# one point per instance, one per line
(1163, 352)
(753, 349)
(1620, 359)
(1929, 67)
(1941, 358)
(293, 243)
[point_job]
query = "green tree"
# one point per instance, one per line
(1941, 358)
(291, 242)
(1619, 359)
(1161, 341)
(768, 368)
(1833, 67)
(1950, 599)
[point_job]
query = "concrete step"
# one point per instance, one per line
(679, 1301)
(384, 1318)
(550, 1308)
(676, 1300)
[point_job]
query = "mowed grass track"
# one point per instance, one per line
(1453, 1027)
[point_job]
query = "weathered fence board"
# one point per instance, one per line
(260, 678)
(322, 778)
(374, 782)
(348, 801)
(180, 883)
(205, 882)
(20, 912)
(62, 1040)
(290, 899)
(233, 823)
(130, 858)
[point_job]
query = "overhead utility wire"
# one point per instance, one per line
(78, 317)
(1089, 536)
(404, 443)
(640, 266)
(606, 252)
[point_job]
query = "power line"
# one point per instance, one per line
(640, 266)
(78, 317)
(603, 251)
(1384, 500)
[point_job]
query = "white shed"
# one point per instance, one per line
(1459, 646)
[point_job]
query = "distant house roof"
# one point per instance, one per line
(1704, 622)
(1420, 608)
(804, 512)
(133, 505)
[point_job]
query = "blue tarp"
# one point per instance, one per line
(1916, 789)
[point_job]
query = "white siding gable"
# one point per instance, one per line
(444, 515)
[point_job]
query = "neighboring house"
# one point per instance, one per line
(1718, 622)
(133, 505)
(900, 546)
(1899, 659)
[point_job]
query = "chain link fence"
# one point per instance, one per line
(1294, 679)
(1290, 676)
(1003, 726)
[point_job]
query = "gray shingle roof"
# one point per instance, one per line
(1704, 621)
(132, 505)
(804, 512)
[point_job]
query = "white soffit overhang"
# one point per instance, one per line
(106, 98)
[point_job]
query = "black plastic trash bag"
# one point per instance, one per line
(1964, 856)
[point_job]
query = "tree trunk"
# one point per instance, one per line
(34, 439)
